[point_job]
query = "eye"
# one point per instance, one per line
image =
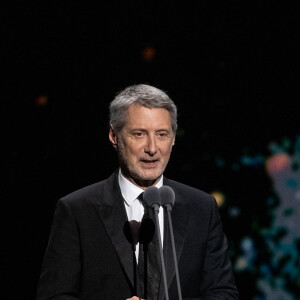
(162, 135)
(138, 134)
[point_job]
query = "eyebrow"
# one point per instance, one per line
(145, 130)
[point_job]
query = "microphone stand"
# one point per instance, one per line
(156, 210)
(169, 209)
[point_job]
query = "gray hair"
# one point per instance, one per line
(144, 95)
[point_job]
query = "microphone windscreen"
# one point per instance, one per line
(167, 195)
(151, 196)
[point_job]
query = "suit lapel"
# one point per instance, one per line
(112, 212)
(180, 218)
(113, 215)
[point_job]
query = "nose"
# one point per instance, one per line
(151, 147)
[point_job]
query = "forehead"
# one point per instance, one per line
(141, 116)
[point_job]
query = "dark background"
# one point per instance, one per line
(231, 67)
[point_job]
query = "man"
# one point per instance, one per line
(89, 255)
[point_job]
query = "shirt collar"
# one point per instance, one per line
(130, 191)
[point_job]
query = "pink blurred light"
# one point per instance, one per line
(277, 163)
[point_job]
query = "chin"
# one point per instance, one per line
(150, 176)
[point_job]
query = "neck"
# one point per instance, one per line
(139, 182)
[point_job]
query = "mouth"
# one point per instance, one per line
(149, 163)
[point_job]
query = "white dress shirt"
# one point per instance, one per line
(134, 207)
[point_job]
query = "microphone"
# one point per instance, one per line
(152, 199)
(167, 197)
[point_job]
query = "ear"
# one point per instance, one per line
(173, 142)
(113, 137)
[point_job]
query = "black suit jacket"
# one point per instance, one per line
(88, 256)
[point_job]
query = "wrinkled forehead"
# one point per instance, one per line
(143, 117)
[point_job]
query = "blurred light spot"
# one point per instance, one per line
(292, 183)
(265, 269)
(271, 201)
(234, 212)
(241, 264)
(220, 197)
(277, 163)
(247, 244)
(247, 160)
(275, 148)
(219, 162)
(286, 142)
(288, 212)
(148, 54)
(41, 101)
(297, 195)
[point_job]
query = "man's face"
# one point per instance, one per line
(144, 144)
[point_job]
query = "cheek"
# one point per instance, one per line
(167, 150)
(134, 150)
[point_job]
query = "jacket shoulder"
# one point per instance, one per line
(184, 188)
(91, 193)
(188, 193)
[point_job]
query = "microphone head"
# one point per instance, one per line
(151, 196)
(167, 195)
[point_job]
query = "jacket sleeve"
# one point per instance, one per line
(218, 280)
(60, 275)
